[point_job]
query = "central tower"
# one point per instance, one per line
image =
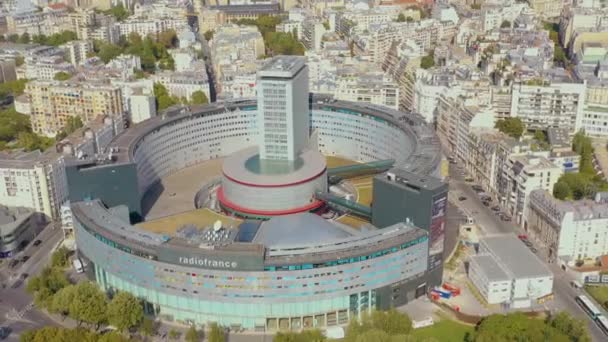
(283, 114)
(282, 174)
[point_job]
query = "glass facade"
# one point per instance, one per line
(292, 296)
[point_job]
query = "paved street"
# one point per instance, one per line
(16, 310)
(491, 224)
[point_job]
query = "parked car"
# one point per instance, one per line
(477, 188)
(37, 243)
(25, 258)
(13, 263)
(24, 276)
(462, 198)
(496, 208)
(486, 198)
(505, 218)
(468, 179)
(534, 250)
(486, 203)
(4, 332)
(522, 236)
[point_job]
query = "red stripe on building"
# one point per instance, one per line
(232, 206)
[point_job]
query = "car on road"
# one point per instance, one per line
(4, 332)
(522, 236)
(505, 218)
(13, 263)
(24, 276)
(534, 250)
(468, 179)
(527, 243)
(37, 243)
(462, 198)
(477, 188)
(486, 198)
(496, 208)
(25, 258)
(487, 204)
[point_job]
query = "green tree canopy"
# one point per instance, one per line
(513, 127)
(89, 304)
(147, 327)
(216, 333)
(119, 12)
(208, 35)
(13, 38)
(174, 334)
(428, 61)
(505, 24)
(562, 191)
(570, 326)
(24, 38)
(45, 285)
(516, 327)
(401, 18)
(199, 97)
(14, 88)
(60, 258)
(582, 145)
(125, 311)
(389, 322)
(303, 336)
(19, 60)
(163, 99)
(192, 335)
(281, 43)
(168, 39)
(62, 76)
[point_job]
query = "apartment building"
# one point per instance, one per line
(183, 84)
(18, 225)
(523, 174)
(546, 104)
(77, 52)
(53, 102)
(37, 179)
(573, 230)
(7, 70)
(151, 26)
(546, 8)
(373, 88)
(44, 68)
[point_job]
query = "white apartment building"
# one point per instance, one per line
(426, 99)
(283, 120)
(37, 179)
(45, 68)
(77, 51)
(573, 230)
(558, 105)
(546, 8)
(523, 174)
(372, 88)
(151, 26)
(595, 120)
(312, 33)
(183, 84)
(493, 15)
(506, 272)
(141, 107)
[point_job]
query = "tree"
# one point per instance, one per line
(216, 333)
(208, 35)
(15, 88)
(13, 38)
(428, 61)
(281, 43)
(62, 300)
(513, 127)
(561, 191)
(45, 285)
(174, 334)
(19, 60)
(72, 124)
(168, 39)
(119, 12)
(147, 327)
(62, 76)
(401, 18)
(163, 99)
(389, 323)
(24, 38)
(192, 335)
(107, 51)
(30, 141)
(568, 325)
(125, 311)
(516, 327)
(303, 336)
(60, 258)
(505, 24)
(89, 304)
(199, 97)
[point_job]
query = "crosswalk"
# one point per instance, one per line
(14, 315)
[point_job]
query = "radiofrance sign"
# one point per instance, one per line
(194, 261)
(228, 260)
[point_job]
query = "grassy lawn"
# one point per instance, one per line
(599, 293)
(444, 331)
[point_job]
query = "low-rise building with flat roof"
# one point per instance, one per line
(18, 226)
(505, 271)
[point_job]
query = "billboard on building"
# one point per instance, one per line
(438, 221)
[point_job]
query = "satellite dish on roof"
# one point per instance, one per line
(217, 225)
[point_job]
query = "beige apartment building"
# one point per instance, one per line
(52, 103)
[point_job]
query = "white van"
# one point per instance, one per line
(78, 265)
